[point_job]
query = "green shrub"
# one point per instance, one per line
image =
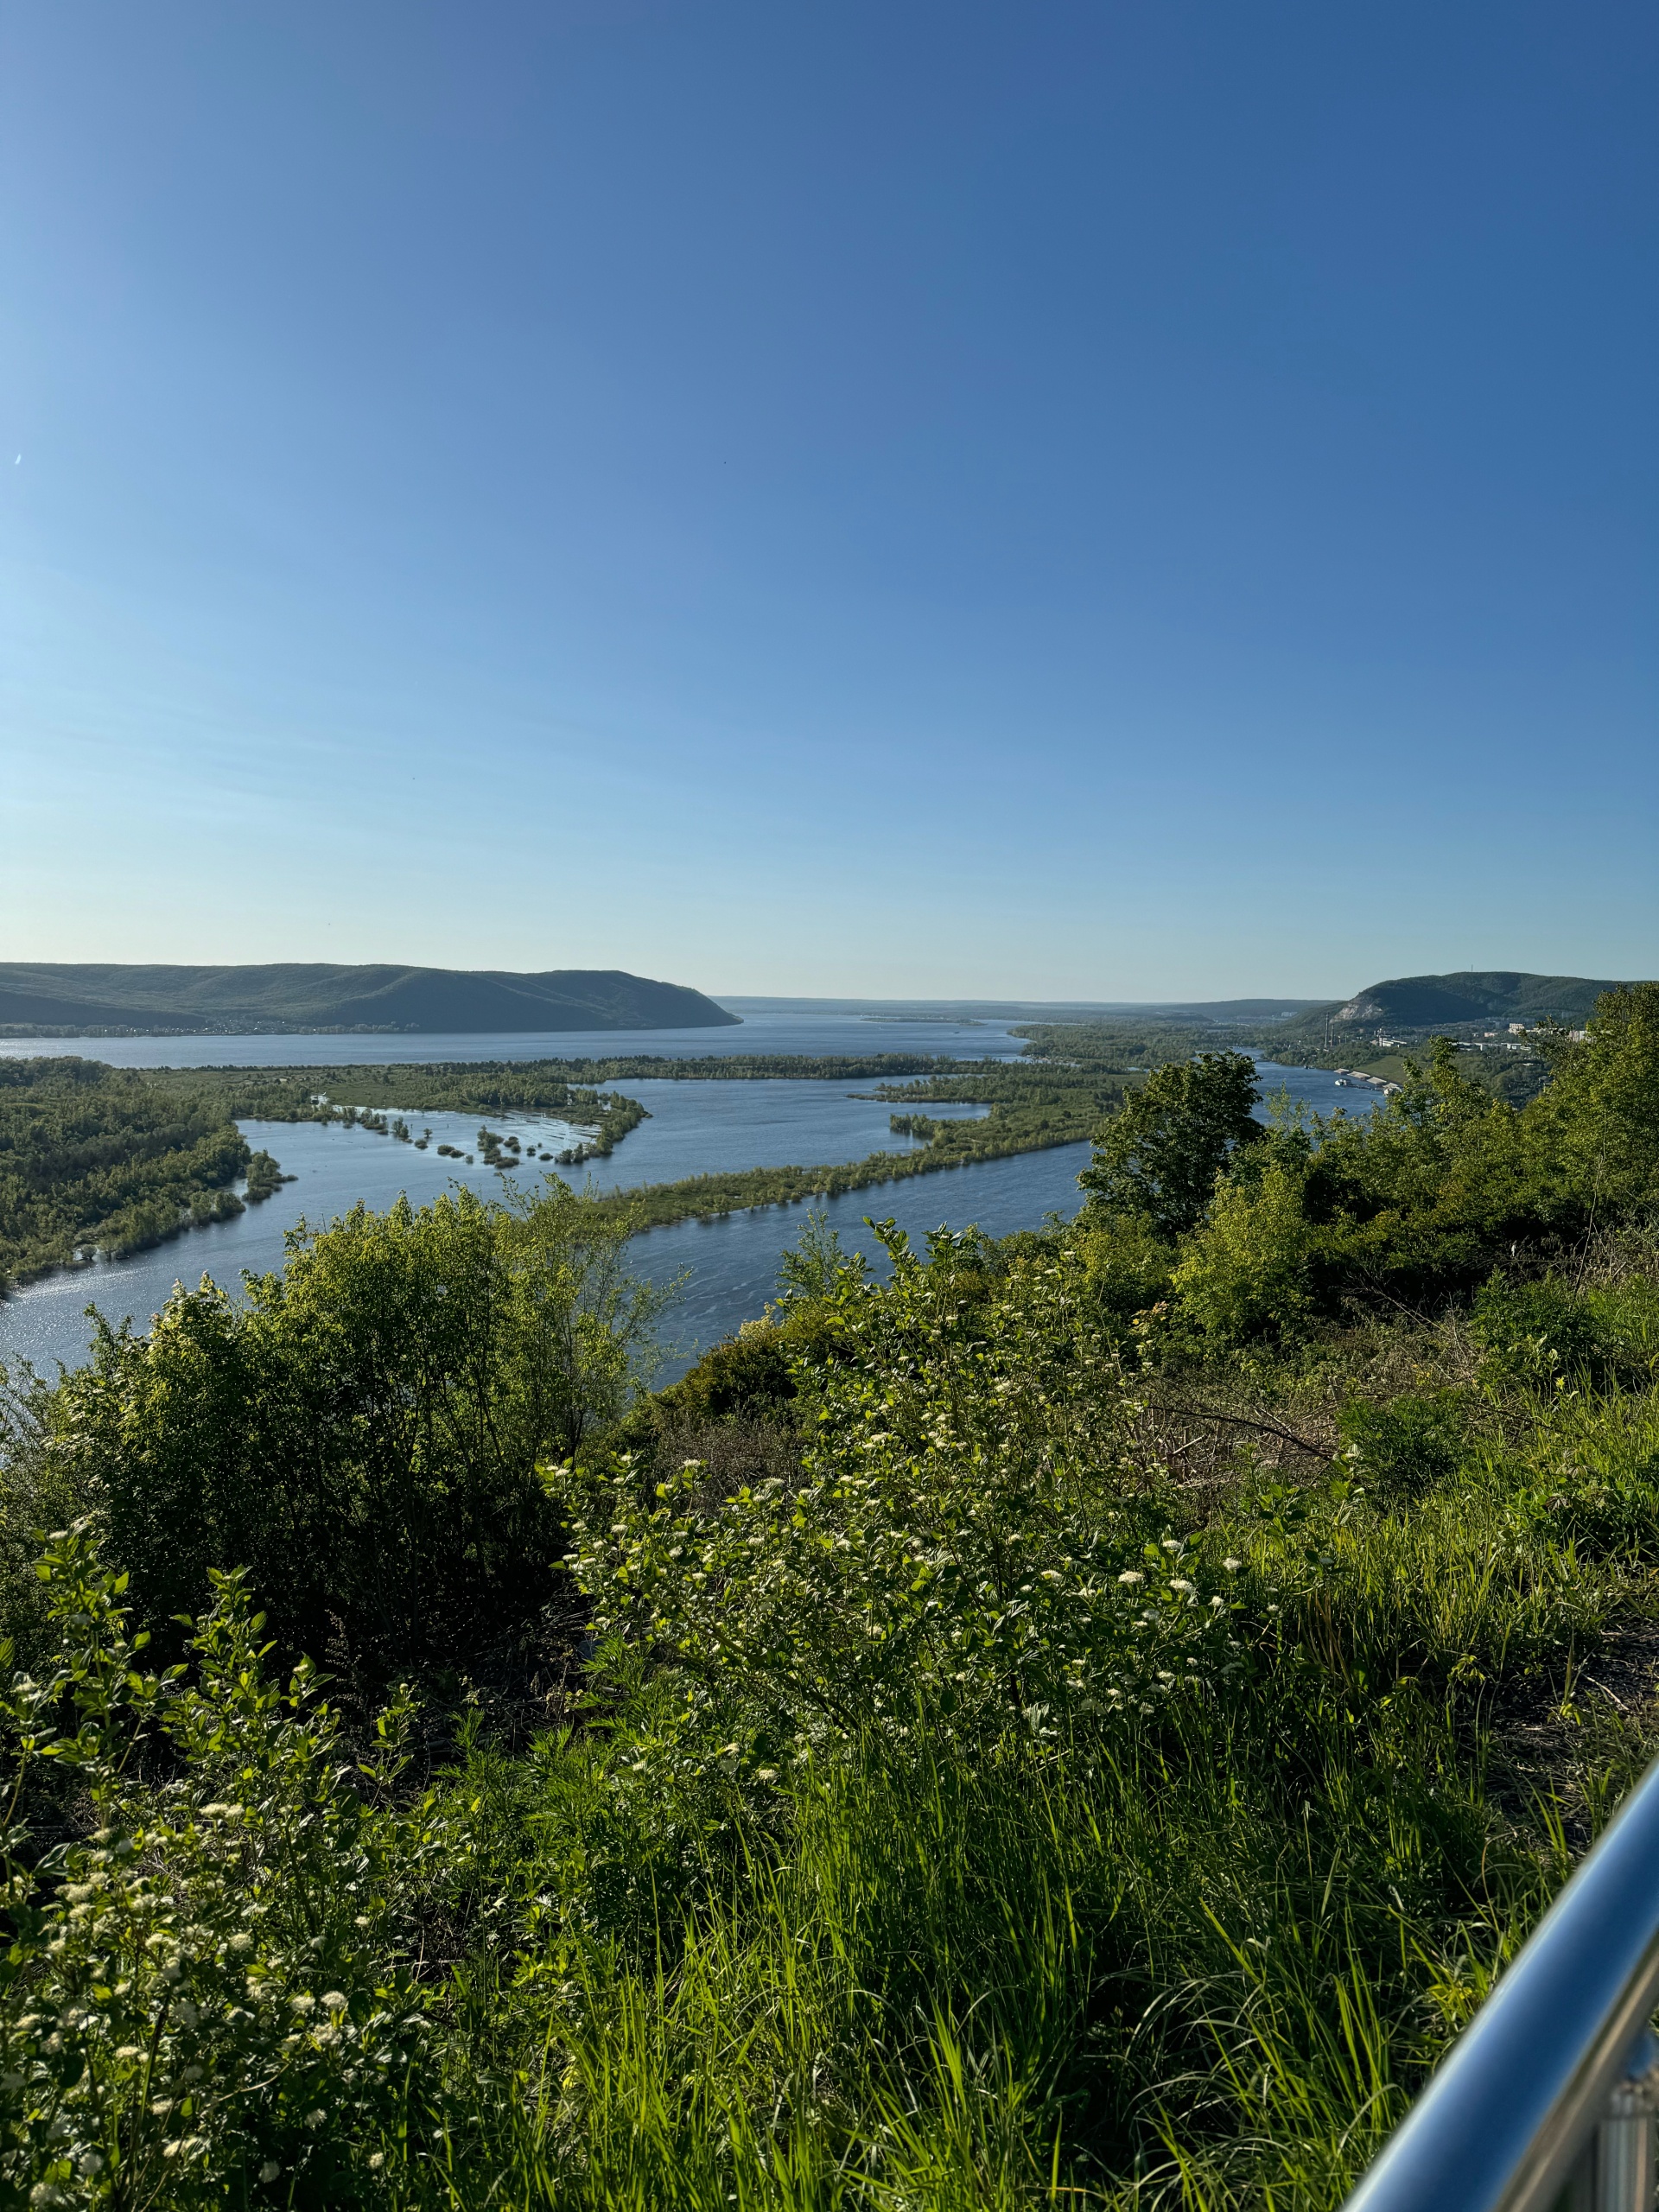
(1626, 1318)
(946, 1560)
(362, 1434)
(1541, 1332)
(200, 2005)
(1246, 1272)
(1408, 1446)
(1126, 1264)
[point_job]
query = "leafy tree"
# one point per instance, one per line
(1246, 1267)
(363, 1435)
(1159, 1157)
(1602, 1107)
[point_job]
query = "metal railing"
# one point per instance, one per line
(1548, 2095)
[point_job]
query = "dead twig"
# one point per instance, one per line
(1606, 1692)
(1242, 1421)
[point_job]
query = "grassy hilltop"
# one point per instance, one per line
(1084, 1719)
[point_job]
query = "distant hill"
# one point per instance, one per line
(1464, 999)
(287, 996)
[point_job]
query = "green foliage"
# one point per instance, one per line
(944, 1562)
(1416, 1202)
(97, 1159)
(198, 2006)
(815, 1268)
(264, 1177)
(898, 1846)
(362, 1432)
(1246, 1267)
(1406, 1446)
(846, 1923)
(750, 1377)
(1539, 1331)
(1602, 1107)
(1127, 1264)
(1160, 1156)
(37, 1492)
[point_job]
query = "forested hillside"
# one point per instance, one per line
(1458, 1005)
(1081, 1718)
(77, 998)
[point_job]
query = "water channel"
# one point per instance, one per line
(728, 1265)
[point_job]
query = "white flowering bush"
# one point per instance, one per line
(963, 1551)
(194, 2007)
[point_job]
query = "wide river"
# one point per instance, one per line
(729, 1265)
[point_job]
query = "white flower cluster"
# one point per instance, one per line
(196, 1996)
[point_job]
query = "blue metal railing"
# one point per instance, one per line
(1548, 2095)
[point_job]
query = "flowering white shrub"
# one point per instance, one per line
(194, 1996)
(958, 1554)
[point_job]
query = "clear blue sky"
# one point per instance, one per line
(1104, 501)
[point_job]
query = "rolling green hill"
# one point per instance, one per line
(86, 998)
(1468, 1000)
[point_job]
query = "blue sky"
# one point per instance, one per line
(1073, 500)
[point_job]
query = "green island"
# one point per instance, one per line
(95, 1157)
(53, 1212)
(1080, 1719)
(1030, 1110)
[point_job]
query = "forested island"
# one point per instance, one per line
(98, 1160)
(1083, 1720)
(94, 1158)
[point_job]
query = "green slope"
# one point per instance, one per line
(1467, 999)
(304, 996)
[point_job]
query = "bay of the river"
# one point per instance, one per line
(729, 1265)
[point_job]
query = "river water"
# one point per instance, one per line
(729, 1266)
(769, 1032)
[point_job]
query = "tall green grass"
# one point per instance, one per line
(1203, 1961)
(1198, 1952)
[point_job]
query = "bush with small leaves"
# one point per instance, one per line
(200, 1991)
(960, 1554)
